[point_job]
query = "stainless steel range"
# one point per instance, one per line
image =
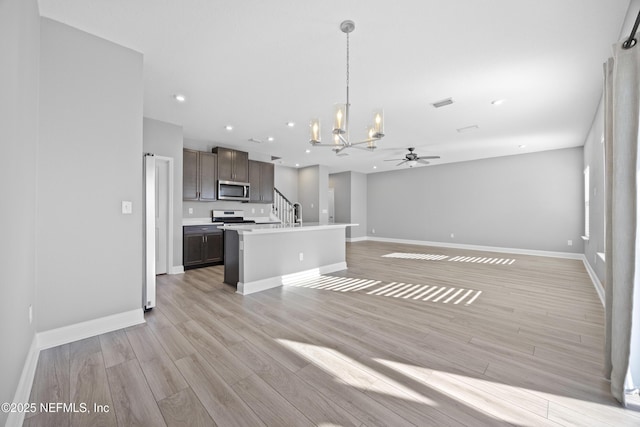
(230, 217)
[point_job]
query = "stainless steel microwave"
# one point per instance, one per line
(231, 190)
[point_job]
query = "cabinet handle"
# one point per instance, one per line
(206, 239)
(202, 239)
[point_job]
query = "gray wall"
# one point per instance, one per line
(358, 205)
(19, 50)
(341, 184)
(313, 193)
(350, 200)
(594, 158)
(165, 139)
(89, 256)
(308, 193)
(529, 201)
(286, 180)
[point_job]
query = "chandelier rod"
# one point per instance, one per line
(346, 119)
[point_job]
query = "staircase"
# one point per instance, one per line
(286, 211)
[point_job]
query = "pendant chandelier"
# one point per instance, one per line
(340, 131)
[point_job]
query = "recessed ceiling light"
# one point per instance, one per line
(498, 102)
(179, 97)
(229, 128)
(291, 124)
(270, 139)
(375, 167)
(307, 151)
(521, 146)
(297, 164)
(467, 128)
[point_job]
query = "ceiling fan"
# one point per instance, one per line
(413, 159)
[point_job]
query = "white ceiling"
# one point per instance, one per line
(258, 64)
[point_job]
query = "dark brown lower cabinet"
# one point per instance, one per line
(202, 245)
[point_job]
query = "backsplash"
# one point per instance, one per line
(203, 209)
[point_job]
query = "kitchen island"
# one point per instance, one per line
(264, 256)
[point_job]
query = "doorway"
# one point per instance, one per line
(162, 225)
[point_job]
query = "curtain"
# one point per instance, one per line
(622, 106)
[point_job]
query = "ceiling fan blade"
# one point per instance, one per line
(422, 162)
(429, 157)
(402, 162)
(393, 160)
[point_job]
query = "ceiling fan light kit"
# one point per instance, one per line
(341, 117)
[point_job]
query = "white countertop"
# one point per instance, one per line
(198, 221)
(282, 228)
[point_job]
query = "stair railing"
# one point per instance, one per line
(284, 209)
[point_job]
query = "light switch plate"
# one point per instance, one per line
(127, 207)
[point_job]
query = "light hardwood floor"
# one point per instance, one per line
(444, 338)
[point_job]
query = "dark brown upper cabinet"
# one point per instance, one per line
(261, 178)
(199, 175)
(233, 165)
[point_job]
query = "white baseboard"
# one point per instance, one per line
(594, 279)
(246, 288)
(356, 239)
(533, 252)
(90, 328)
(176, 269)
(23, 391)
(64, 335)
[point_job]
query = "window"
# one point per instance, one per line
(586, 202)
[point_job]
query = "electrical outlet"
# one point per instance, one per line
(301, 256)
(253, 210)
(452, 235)
(373, 231)
(261, 210)
(190, 211)
(570, 242)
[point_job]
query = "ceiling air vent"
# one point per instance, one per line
(467, 128)
(343, 154)
(443, 103)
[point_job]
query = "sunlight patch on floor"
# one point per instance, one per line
(436, 257)
(438, 294)
(353, 373)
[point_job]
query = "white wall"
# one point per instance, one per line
(165, 139)
(529, 201)
(89, 256)
(19, 51)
